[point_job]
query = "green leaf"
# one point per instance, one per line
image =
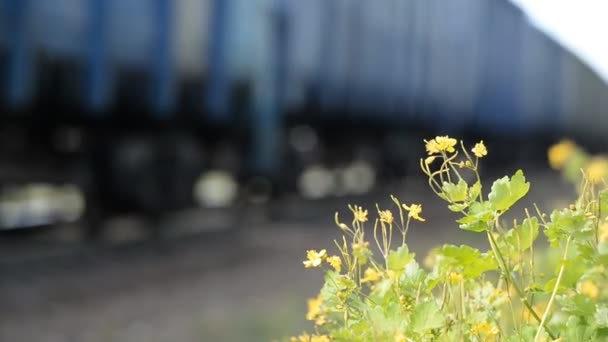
(458, 207)
(568, 222)
(335, 283)
(585, 251)
(525, 333)
(462, 254)
(455, 192)
(381, 289)
(577, 304)
(355, 332)
(522, 237)
(412, 277)
(426, 316)
(601, 316)
(398, 259)
(472, 262)
(474, 190)
(484, 263)
(602, 248)
(478, 217)
(507, 192)
(577, 330)
(476, 227)
(384, 318)
(572, 272)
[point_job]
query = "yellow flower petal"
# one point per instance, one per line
(370, 276)
(559, 153)
(414, 211)
(314, 308)
(597, 169)
(440, 144)
(589, 289)
(314, 258)
(455, 278)
(359, 215)
(335, 262)
(386, 216)
(480, 150)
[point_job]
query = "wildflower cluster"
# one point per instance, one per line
(571, 159)
(375, 290)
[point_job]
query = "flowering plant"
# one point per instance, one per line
(570, 159)
(381, 293)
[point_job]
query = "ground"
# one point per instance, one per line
(245, 285)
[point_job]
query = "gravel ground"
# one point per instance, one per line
(246, 285)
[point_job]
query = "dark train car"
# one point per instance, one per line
(155, 105)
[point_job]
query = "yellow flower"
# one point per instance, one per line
(455, 278)
(302, 338)
(484, 329)
(314, 308)
(539, 308)
(370, 276)
(589, 289)
(319, 338)
(399, 337)
(314, 258)
(360, 246)
(559, 153)
(597, 169)
(386, 216)
(308, 338)
(414, 211)
(359, 214)
(430, 260)
(429, 160)
(441, 144)
(335, 262)
(480, 150)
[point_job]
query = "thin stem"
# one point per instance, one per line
(418, 292)
(520, 292)
(557, 282)
(407, 227)
(444, 296)
(515, 322)
(462, 301)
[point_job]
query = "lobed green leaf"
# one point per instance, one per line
(506, 192)
(426, 316)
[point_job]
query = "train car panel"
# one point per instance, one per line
(455, 56)
(540, 82)
(193, 21)
(304, 20)
(59, 27)
(499, 99)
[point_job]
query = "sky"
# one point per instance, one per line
(579, 25)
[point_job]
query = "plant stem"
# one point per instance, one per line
(462, 301)
(503, 266)
(557, 282)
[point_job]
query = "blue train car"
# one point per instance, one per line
(218, 84)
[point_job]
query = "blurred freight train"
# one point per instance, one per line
(153, 105)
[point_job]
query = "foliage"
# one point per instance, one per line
(467, 294)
